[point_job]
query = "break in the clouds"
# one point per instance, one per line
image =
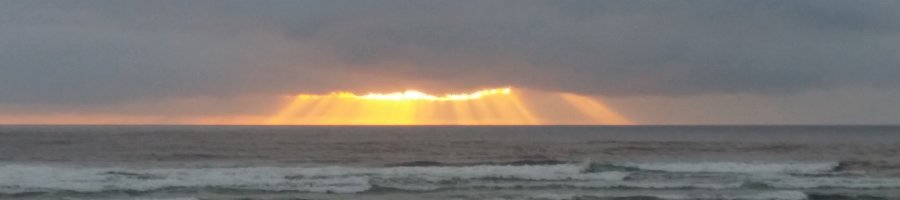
(109, 52)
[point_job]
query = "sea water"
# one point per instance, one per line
(449, 162)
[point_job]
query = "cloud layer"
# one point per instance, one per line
(106, 52)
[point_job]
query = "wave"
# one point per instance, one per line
(867, 165)
(427, 163)
(25, 179)
(29, 179)
(737, 167)
(175, 198)
(692, 167)
(774, 195)
(831, 182)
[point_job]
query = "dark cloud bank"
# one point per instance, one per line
(101, 52)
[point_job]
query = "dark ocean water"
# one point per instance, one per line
(450, 162)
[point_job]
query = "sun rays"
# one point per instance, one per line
(498, 106)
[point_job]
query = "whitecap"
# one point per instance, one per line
(737, 167)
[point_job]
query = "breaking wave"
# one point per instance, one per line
(25, 179)
(428, 176)
(738, 167)
(775, 195)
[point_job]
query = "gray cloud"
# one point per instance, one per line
(101, 52)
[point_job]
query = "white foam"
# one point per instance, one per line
(17, 178)
(775, 195)
(165, 198)
(177, 198)
(23, 178)
(38, 178)
(831, 182)
(603, 184)
(738, 167)
(534, 172)
(553, 196)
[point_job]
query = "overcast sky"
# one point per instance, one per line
(760, 61)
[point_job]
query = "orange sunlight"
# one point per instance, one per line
(498, 106)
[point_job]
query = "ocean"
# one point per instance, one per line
(450, 162)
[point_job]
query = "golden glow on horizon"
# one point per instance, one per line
(595, 110)
(499, 106)
(416, 95)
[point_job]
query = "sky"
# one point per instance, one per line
(654, 62)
